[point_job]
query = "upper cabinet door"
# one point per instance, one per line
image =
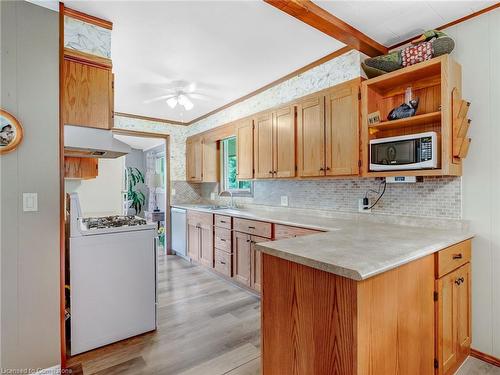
(311, 136)
(263, 146)
(87, 95)
(194, 159)
(284, 142)
(210, 162)
(342, 130)
(244, 149)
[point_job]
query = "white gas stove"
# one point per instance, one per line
(112, 278)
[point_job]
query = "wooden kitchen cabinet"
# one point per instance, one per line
(342, 130)
(453, 312)
(194, 159)
(207, 245)
(241, 258)
(201, 238)
(328, 132)
(244, 149)
(193, 241)
(274, 144)
(210, 161)
(311, 136)
(256, 263)
(87, 94)
(80, 168)
(263, 146)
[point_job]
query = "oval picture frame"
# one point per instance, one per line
(11, 132)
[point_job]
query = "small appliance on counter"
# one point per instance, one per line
(113, 268)
(414, 151)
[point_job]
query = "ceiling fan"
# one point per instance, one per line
(180, 93)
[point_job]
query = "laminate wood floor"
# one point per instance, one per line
(206, 326)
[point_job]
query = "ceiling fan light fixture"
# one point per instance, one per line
(185, 102)
(172, 102)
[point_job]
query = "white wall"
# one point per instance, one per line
(478, 50)
(101, 196)
(30, 240)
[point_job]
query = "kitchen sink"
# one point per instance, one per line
(215, 207)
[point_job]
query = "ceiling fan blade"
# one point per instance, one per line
(198, 96)
(157, 99)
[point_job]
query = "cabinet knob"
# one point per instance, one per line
(327, 168)
(457, 256)
(457, 281)
(322, 169)
(270, 172)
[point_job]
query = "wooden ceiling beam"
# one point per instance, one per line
(315, 16)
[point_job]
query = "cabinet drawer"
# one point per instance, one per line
(452, 257)
(223, 239)
(200, 218)
(258, 228)
(223, 262)
(223, 221)
(285, 231)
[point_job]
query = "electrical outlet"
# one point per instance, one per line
(284, 200)
(361, 206)
(212, 196)
(30, 202)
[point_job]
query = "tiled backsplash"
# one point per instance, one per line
(186, 192)
(434, 197)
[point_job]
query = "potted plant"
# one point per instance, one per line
(135, 197)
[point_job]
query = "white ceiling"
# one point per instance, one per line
(391, 22)
(139, 143)
(228, 48)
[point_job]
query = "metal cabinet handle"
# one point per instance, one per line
(221, 262)
(327, 168)
(457, 256)
(222, 239)
(222, 221)
(270, 172)
(251, 227)
(457, 281)
(322, 169)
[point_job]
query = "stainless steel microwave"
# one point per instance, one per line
(415, 151)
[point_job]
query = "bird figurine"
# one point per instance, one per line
(404, 110)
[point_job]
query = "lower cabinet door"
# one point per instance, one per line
(193, 242)
(464, 312)
(453, 319)
(255, 263)
(207, 246)
(447, 318)
(241, 257)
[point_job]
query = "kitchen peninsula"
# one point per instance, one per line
(366, 299)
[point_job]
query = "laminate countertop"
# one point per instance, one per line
(351, 246)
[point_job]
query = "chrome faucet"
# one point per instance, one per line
(226, 193)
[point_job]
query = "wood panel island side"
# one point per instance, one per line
(407, 318)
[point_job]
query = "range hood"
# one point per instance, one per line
(92, 143)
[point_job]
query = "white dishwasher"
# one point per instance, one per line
(179, 229)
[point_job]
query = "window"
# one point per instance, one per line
(229, 167)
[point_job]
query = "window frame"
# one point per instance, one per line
(223, 186)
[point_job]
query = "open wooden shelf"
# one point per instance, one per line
(424, 119)
(433, 83)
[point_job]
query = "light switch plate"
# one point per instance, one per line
(284, 200)
(30, 202)
(212, 196)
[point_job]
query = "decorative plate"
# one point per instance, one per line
(11, 132)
